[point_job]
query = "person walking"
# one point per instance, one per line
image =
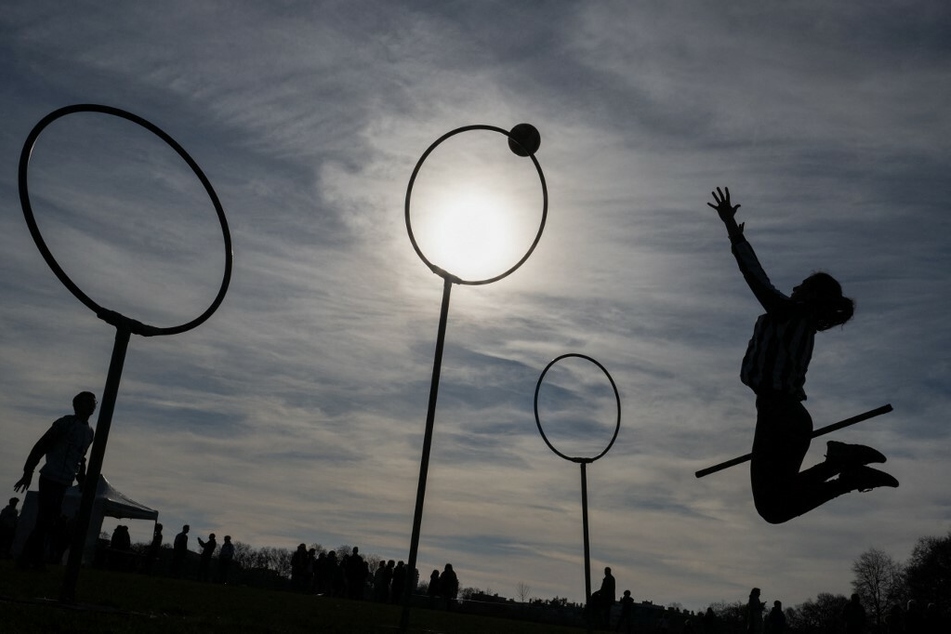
(64, 446)
(179, 549)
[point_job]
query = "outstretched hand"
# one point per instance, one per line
(23, 483)
(727, 213)
(723, 206)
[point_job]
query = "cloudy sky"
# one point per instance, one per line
(296, 413)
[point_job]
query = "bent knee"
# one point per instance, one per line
(771, 511)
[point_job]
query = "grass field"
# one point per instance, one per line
(120, 602)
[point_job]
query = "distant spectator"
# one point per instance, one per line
(322, 574)
(310, 574)
(380, 588)
(398, 584)
(121, 540)
(625, 622)
(776, 621)
(854, 616)
(225, 557)
(299, 567)
(338, 578)
(9, 518)
(433, 589)
(179, 548)
(711, 622)
(754, 609)
(151, 554)
(356, 573)
(382, 594)
(448, 586)
(607, 598)
(204, 562)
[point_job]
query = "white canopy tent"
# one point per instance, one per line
(109, 502)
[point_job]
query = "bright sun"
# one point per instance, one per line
(470, 235)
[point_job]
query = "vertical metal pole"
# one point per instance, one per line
(94, 468)
(424, 461)
(587, 548)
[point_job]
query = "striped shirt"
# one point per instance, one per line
(779, 352)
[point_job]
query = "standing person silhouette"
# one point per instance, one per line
(64, 445)
(774, 367)
(204, 561)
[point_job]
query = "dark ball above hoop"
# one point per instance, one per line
(524, 139)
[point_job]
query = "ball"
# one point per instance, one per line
(524, 139)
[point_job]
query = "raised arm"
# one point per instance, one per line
(771, 298)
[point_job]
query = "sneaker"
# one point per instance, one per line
(864, 478)
(847, 455)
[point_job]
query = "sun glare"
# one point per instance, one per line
(471, 235)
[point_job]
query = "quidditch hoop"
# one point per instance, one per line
(104, 313)
(409, 193)
(617, 399)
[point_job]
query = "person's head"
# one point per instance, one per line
(627, 593)
(227, 539)
(824, 293)
(448, 567)
(754, 592)
(778, 604)
(84, 404)
(607, 571)
(186, 528)
(211, 536)
(14, 501)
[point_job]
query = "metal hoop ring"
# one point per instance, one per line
(617, 398)
(409, 193)
(103, 313)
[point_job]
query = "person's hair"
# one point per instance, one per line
(831, 306)
(83, 397)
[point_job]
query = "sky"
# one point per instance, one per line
(296, 413)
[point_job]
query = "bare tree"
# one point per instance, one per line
(879, 582)
(821, 614)
(928, 575)
(522, 591)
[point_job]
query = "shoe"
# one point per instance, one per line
(864, 478)
(847, 455)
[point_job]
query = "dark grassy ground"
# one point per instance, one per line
(121, 602)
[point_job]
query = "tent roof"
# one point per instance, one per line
(115, 503)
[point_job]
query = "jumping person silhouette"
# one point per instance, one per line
(774, 367)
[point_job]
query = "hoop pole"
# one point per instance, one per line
(587, 543)
(94, 469)
(424, 461)
(872, 413)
